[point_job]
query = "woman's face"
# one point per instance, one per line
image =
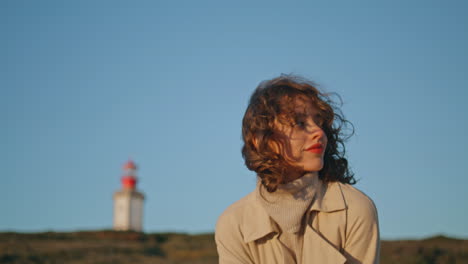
(300, 138)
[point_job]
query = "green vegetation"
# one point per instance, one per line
(105, 247)
(435, 250)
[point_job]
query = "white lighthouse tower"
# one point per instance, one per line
(128, 202)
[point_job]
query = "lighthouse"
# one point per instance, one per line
(128, 202)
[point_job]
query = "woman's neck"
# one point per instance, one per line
(296, 175)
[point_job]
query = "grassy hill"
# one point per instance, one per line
(173, 248)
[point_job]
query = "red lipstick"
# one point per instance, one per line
(315, 148)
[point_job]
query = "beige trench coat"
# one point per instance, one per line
(342, 228)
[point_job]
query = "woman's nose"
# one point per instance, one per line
(317, 134)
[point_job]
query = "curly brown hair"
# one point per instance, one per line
(270, 103)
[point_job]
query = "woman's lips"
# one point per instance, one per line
(315, 148)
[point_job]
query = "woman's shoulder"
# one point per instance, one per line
(236, 227)
(357, 202)
(236, 211)
(245, 220)
(231, 227)
(362, 236)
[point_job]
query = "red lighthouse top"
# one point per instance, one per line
(129, 178)
(130, 165)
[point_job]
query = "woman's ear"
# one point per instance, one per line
(255, 142)
(275, 145)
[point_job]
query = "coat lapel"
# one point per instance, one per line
(317, 250)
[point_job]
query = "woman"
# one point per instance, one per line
(304, 209)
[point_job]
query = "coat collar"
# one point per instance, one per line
(329, 199)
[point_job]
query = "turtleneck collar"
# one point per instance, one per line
(288, 204)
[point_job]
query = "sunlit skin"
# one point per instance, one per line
(301, 141)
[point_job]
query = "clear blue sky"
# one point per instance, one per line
(87, 84)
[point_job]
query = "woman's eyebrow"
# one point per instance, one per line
(301, 115)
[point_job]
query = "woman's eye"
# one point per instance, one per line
(318, 120)
(301, 124)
